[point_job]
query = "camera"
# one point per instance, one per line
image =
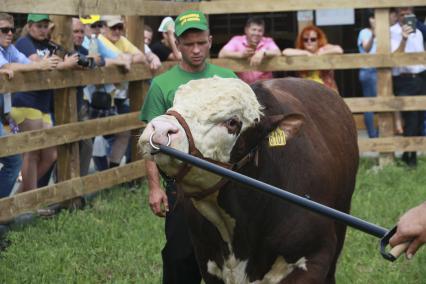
(410, 20)
(84, 61)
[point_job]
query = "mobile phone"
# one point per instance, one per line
(410, 20)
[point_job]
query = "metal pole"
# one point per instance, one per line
(344, 218)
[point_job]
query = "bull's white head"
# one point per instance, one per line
(216, 110)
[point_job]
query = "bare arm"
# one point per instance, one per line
(368, 44)
(119, 61)
(330, 49)
(272, 52)
(70, 61)
(46, 63)
(153, 60)
(406, 30)
(157, 197)
(8, 72)
(171, 39)
(296, 52)
(260, 55)
(230, 54)
(139, 57)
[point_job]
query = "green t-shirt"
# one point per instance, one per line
(163, 87)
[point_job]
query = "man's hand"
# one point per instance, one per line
(8, 72)
(70, 61)
(48, 63)
(248, 52)
(154, 64)
(257, 58)
(406, 31)
(411, 227)
(158, 201)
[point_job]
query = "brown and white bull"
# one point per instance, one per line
(241, 235)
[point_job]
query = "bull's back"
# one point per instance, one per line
(326, 151)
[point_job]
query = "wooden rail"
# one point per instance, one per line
(67, 133)
(30, 201)
(163, 8)
(37, 80)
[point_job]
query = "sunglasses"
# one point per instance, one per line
(6, 30)
(119, 27)
(97, 25)
(311, 39)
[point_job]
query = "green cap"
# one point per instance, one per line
(190, 19)
(35, 18)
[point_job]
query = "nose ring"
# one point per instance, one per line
(169, 140)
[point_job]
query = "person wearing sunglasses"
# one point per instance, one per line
(11, 60)
(33, 110)
(313, 41)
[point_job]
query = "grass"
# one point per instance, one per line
(118, 240)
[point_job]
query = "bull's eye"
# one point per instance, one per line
(233, 125)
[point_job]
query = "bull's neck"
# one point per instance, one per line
(210, 209)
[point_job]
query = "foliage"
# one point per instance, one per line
(117, 239)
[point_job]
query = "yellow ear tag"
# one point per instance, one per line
(277, 138)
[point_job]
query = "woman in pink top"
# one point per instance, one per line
(254, 47)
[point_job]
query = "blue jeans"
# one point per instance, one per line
(368, 79)
(9, 172)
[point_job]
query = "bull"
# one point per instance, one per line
(290, 133)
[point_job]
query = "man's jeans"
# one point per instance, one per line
(9, 171)
(368, 79)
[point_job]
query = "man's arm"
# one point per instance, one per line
(232, 50)
(270, 50)
(224, 53)
(406, 30)
(46, 63)
(154, 106)
(412, 228)
(171, 39)
(157, 197)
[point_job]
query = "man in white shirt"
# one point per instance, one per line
(408, 80)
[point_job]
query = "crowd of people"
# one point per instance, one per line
(100, 41)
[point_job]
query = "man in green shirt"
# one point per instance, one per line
(193, 40)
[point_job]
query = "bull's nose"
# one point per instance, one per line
(154, 146)
(162, 130)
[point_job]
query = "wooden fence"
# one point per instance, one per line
(68, 131)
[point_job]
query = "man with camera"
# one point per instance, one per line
(408, 80)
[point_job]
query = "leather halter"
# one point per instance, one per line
(184, 170)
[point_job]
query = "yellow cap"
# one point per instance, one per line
(88, 20)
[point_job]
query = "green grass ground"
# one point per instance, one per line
(118, 240)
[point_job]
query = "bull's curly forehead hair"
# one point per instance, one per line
(215, 99)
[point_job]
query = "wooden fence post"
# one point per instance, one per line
(137, 89)
(384, 80)
(65, 105)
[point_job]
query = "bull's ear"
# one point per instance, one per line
(291, 124)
